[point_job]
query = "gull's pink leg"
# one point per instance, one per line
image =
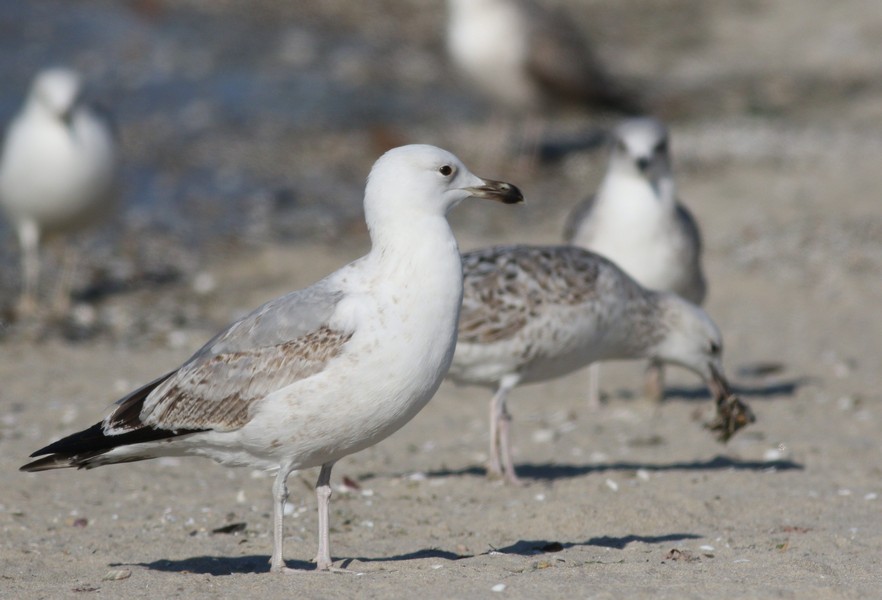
(594, 386)
(280, 496)
(494, 467)
(29, 239)
(500, 463)
(654, 381)
(323, 496)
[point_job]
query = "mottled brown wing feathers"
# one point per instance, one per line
(506, 286)
(219, 391)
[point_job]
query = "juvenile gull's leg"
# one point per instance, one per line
(654, 381)
(61, 302)
(323, 496)
(594, 386)
(500, 463)
(29, 240)
(280, 496)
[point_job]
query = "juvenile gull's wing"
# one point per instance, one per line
(697, 289)
(507, 286)
(579, 213)
(688, 225)
(283, 341)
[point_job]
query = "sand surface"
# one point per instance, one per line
(634, 500)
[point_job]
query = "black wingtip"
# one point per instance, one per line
(86, 440)
(54, 461)
(62, 453)
(78, 449)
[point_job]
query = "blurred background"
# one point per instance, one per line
(246, 124)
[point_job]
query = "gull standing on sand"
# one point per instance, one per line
(319, 373)
(534, 313)
(57, 172)
(636, 221)
(528, 58)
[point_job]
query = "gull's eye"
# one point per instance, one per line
(446, 170)
(661, 147)
(714, 348)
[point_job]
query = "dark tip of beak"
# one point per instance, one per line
(499, 191)
(719, 385)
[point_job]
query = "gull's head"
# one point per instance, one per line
(424, 180)
(641, 148)
(57, 91)
(692, 340)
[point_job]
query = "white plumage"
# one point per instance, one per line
(56, 171)
(319, 373)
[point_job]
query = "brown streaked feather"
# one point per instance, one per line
(219, 391)
(506, 286)
(127, 417)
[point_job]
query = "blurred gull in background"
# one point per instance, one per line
(56, 174)
(636, 221)
(530, 60)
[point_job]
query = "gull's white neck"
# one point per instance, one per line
(633, 197)
(422, 258)
(414, 273)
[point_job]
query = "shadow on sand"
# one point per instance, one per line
(551, 471)
(222, 565)
(787, 387)
(532, 547)
(229, 565)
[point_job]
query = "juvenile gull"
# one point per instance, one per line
(56, 171)
(528, 58)
(533, 313)
(322, 372)
(636, 221)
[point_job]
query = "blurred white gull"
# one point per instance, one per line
(528, 58)
(533, 313)
(57, 172)
(319, 373)
(636, 221)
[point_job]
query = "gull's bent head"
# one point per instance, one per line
(692, 340)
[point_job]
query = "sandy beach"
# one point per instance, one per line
(780, 163)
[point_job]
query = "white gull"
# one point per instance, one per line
(57, 172)
(319, 373)
(528, 58)
(636, 220)
(534, 313)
